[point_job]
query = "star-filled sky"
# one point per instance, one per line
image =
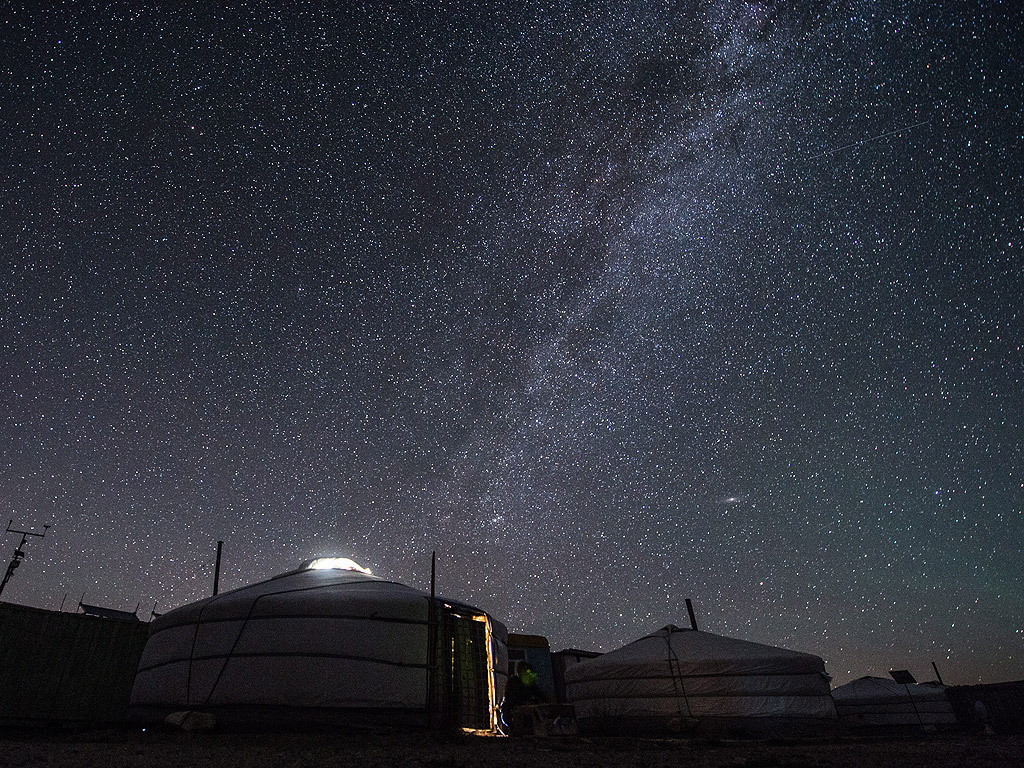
(610, 304)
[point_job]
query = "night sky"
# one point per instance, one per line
(610, 304)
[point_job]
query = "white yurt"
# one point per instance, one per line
(328, 643)
(878, 703)
(684, 681)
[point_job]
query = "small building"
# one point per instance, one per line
(67, 668)
(535, 651)
(999, 706)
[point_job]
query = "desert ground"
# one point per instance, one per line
(124, 748)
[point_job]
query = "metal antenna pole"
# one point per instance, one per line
(19, 552)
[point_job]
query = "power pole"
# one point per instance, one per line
(19, 553)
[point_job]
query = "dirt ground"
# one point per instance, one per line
(124, 748)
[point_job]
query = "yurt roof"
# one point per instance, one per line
(883, 689)
(690, 652)
(310, 591)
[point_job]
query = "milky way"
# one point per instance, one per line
(609, 306)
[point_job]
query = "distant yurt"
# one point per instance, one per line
(880, 704)
(678, 681)
(326, 644)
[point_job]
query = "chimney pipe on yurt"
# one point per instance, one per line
(216, 569)
(693, 618)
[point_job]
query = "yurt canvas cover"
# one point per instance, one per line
(880, 703)
(323, 646)
(681, 680)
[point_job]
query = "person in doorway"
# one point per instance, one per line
(521, 691)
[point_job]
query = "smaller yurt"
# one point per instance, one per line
(678, 681)
(881, 704)
(326, 644)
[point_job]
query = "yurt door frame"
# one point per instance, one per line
(464, 695)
